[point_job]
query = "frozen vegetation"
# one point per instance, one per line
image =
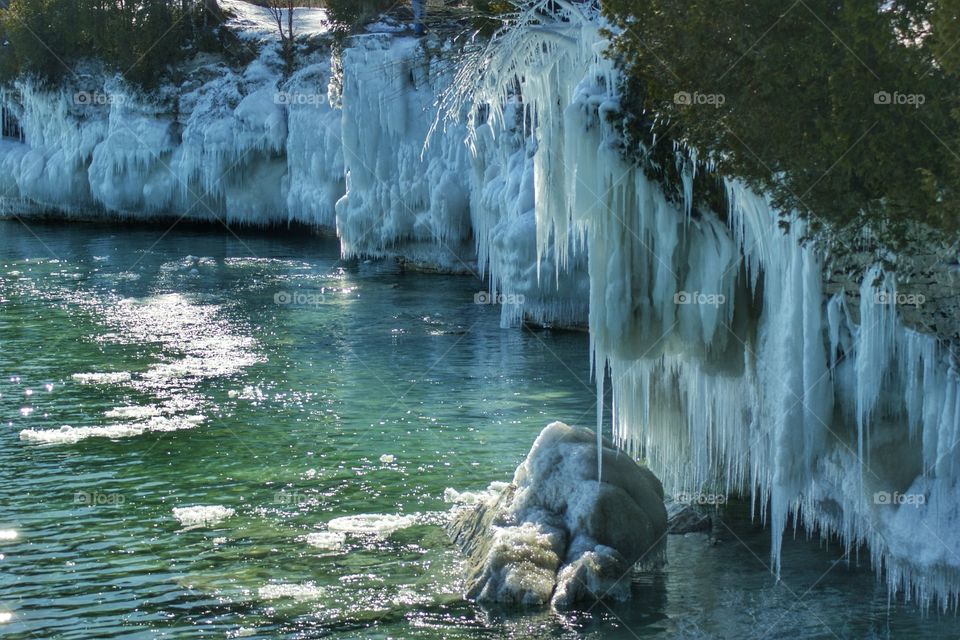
(731, 370)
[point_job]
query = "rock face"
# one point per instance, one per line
(556, 534)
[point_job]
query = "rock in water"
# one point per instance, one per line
(556, 534)
(683, 518)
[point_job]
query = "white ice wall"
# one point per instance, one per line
(343, 143)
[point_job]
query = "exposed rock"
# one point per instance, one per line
(684, 518)
(556, 534)
(927, 275)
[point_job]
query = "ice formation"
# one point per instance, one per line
(69, 435)
(558, 533)
(730, 369)
(202, 515)
(375, 524)
(326, 540)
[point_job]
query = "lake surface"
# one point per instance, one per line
(261, 436)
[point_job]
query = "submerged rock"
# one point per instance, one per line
(556, 534)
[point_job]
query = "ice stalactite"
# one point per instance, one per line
(315, 171)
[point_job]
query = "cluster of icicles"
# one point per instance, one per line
(731, 370)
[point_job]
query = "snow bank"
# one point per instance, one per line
(559, 534)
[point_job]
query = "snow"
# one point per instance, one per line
(252, 21)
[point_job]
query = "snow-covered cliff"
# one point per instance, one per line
(731, 369)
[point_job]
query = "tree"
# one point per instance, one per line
(141, 40)
(840, 110)
(281, 9)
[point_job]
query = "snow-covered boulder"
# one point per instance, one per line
(559, 534)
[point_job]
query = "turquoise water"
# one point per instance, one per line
(318, 410)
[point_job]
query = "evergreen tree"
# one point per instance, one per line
(841, 110)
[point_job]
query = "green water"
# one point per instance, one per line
(262, 375)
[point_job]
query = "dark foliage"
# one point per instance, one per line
(846, 111)
(141, 40)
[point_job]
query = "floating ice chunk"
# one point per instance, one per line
(327, 540)
(202, 515)
(69, 435)
(8, 534)
(249, 393)
(102, 378)
(377, 524)
(136, 412)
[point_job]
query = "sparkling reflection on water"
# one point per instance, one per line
(259, 439)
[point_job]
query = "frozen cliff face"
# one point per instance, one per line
(401, 190)
(560, 534)
(528, 278)
(345, 142)
(730, 368)
(210, 151)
